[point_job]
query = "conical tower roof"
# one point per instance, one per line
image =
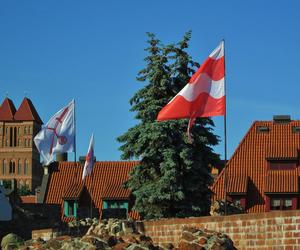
(7, 110)
(27, 112)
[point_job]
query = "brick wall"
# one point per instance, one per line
(273, 230)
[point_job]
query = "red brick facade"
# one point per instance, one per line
(19, 158)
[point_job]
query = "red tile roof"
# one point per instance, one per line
(73, 191)
(108, 178)
(27, 112)
(7, 110)
(113, 191)
(282, 181)
(250, 159)
(237, 184)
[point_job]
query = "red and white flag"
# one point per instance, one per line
(204, 95)
(58, 135)
(89, 160)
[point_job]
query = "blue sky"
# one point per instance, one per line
(92, 50)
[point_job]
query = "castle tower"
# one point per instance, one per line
(19, 158)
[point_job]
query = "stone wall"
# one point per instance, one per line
(272, 230)
(45, 234)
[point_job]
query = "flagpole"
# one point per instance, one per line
(92, 195)
(225, 136)
(74, 122)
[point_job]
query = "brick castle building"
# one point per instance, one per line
(19, 158)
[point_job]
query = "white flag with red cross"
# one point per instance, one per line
(58, 135)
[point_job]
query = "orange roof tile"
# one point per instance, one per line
(73, 191)
(27, 112)
(115, 191)
(237, 184)
(250, 159)
(282, 181)
(108, 178)
(7, 110)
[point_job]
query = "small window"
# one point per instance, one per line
(281, 204)
(0, 130)
(70, 208)
(263, 129)
(287, 204)
(296, 129)
(19, 130)
(4, 167)
(19, 142)
(11, 167)
(25, 130)
(30, 130)
(19, 166)
(6, 142)
(275, 204)
(282, 165)
(26, 166)
(6, 130)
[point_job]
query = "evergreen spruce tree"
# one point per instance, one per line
(173, 177)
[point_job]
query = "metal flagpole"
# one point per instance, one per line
(225, 136)
(74, 122)
(92, 195)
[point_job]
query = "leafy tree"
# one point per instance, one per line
(6, 184)
(24, 190)
(173, 177)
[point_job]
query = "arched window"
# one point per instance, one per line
(4, 167)
(26, 166)
(11, 137)
(19, 166)
(15, 136)
(12, 167)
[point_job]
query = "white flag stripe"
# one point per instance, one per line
(58, 135)
(89, 161)
(218, 52)
(204, 84)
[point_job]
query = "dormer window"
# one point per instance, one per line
(263, 129)
(282, 165)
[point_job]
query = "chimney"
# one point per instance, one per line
(46, 170)
(281, 118)
(61, 157)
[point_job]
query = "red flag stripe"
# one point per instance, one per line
(203, 106)
(204, 95)
(213, 68)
